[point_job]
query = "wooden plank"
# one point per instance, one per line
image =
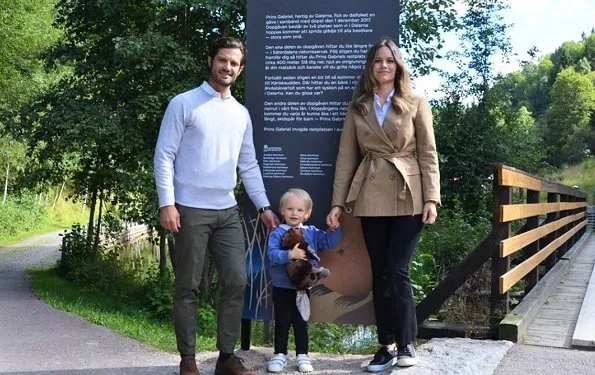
(513, 244)
(512, 212)
(514, 275)
(516, 324)
(565, 301)
(515, 178)
(553, 187)
(584, 331)
(511, 176)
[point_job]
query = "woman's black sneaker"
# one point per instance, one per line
(406, 356)
(383, 360)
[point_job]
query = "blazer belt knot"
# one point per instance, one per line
(395, 159)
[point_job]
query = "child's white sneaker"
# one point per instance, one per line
(304, 363)
(277, 363)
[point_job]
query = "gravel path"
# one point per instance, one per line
(38, 339)
(538, 360)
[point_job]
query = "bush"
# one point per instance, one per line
(159, 292)
(95, 268)
(21, 214)
(444, 244)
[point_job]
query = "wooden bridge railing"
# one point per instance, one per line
(554, 219)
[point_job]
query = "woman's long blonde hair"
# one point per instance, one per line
(367, 84)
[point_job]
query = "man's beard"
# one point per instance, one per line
(220, 82)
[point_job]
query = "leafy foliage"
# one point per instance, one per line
(569, 117)
(21, 214)
(25, 31)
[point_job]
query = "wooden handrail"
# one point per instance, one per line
(512, 212)
(517, 273)
(509, 176)
(516, 243)
(536, 241)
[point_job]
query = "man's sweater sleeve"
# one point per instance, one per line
(168, 142)
(249, 170)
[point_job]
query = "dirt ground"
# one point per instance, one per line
(436, 357)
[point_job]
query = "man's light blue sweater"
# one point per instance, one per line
(204, 139)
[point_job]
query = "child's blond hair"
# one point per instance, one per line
(299, 194)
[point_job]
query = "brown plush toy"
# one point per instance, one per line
(301, 273)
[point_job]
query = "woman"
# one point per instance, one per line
(387, 167)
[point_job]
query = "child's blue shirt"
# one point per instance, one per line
(277, 257)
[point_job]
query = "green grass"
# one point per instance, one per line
(62, 216)
(125, 318)
(581, 175)
(128, 319)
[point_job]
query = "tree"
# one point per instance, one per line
(25, 31)
(423, 24)
(590, 50)
(567, 55)
(467, 133)
(12, 157)
(537, 86)
(483, 36)
(573, 102)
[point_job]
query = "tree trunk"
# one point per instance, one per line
(91, 216)
(59, 193)
(98, 228)
(162, 252)
(6, 184)
(85, 201)
(172, 251)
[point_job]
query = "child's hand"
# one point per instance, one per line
(297, 253)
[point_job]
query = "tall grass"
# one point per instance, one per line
(581, 175)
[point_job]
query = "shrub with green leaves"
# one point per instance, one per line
(444, 244)
(21, 214)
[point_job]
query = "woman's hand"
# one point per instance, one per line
(332, 219)
(430, 213)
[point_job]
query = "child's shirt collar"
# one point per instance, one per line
(287, 227)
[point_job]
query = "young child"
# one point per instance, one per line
(295, 207)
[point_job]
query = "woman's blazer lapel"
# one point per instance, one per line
(372, 122)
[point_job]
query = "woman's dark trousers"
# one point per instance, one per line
(391, 241)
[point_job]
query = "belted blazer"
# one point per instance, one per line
(388, 170)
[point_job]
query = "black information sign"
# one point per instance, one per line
(304, 58)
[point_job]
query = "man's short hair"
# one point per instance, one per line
(226, 42)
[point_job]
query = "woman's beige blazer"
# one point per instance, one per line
(388, 170)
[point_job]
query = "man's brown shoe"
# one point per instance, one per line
(233, 366)
(188, 365)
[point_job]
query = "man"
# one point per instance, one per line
(205, 136)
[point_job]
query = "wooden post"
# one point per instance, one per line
(499, 303)
(246, 332)
(551, 217)
(532, 222)
(565, 246)
(572, 240)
